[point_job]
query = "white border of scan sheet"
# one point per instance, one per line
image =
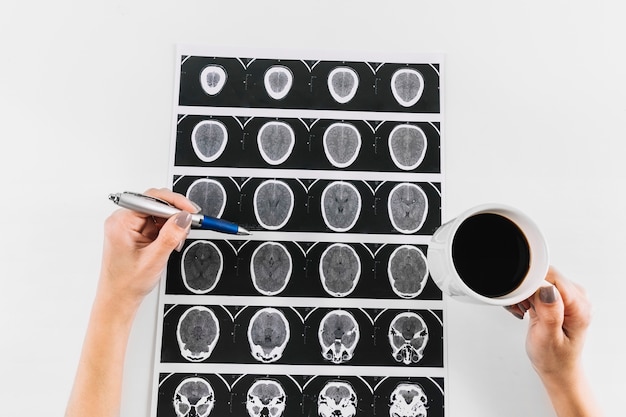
(244, 120)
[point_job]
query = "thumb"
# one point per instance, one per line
(171, 236)
(548, 310)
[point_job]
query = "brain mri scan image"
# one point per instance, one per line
(407, 207)
(340, 269)
(407, 86)
(341, 206)
(408, 336)
(407, 400)
(201, 266)
(407, 271)
(194, 397)
(210, 195)
(270, 268)
(337, 399)
(212, 79)
(342, 143)
(278, 81)
(266, 398)
(275, 141)
(209, 138)
(197, 333)
(342, 84)
(407, 146)
(338, 335)
(273, 204)
(268, 334)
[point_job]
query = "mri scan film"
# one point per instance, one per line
(326, 309)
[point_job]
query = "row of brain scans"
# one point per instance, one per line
(193, 395)
(310, 336)
(307, 144)
(317, 205)
(288, 84)
(300, 269)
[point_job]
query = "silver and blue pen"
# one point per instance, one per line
(159, 208)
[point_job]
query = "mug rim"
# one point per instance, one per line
(539, 256)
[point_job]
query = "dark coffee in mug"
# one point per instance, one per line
(490, 254)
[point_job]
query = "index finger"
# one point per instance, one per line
(173, 198)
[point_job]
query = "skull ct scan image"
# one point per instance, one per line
(270, 268)
(268, 335)
(408, 400)
(197, 333)
(407, 86)
(209, 139)
(407, 146)
(212, 79)
(209, 194)
(339, 269)
(194, 397)
(266, 398)
(338, 335)
(407, 207)
(337, 399)
(408, 336)
(201, 266)
(278, 80)
(342, 143)
(407, 271)
(273, 204)
(343, 83)
(341, 206)
(276, 141)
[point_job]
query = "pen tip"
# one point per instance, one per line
(243, 232)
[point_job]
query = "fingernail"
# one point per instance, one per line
(515, 311)
(197, 207)
(183, 220)
(547, 294)
(522, 308)
(180, 245)
(518, 315)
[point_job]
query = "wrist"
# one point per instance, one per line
(570, 393)
(561, 376)
(116, 308)
(115, 291)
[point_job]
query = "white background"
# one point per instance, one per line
(534, 117)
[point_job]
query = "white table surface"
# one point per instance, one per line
(534, 117)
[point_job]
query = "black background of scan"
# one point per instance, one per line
(244, 87)
(305, 280)
(303, 348)
(242, 151)
(307, 215)
(232, 402)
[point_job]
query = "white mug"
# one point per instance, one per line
(447, 276)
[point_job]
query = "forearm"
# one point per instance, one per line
(98, 384)
(571, 395)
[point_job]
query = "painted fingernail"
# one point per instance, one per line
(518, 315)
(515, 311)
(183, 219)
(547, 294)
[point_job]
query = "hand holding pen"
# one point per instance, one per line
(159, 208)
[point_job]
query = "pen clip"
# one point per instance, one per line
(147, 197)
